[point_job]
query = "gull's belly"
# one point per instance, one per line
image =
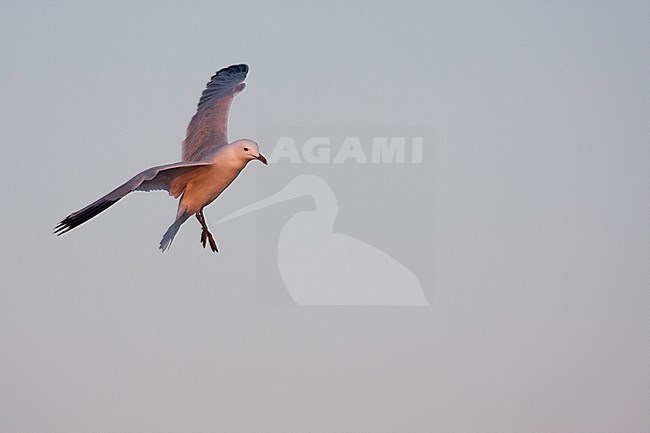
(204, 189)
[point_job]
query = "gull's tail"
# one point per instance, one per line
(168, 237)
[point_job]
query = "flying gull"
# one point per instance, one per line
(209, 164)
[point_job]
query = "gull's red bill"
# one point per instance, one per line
(261, 158)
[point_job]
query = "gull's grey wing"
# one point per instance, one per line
(154, 178)
(208, 129)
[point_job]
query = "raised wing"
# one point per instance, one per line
(162, 177)
(208, 129)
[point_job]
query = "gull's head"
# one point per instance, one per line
(248, 150)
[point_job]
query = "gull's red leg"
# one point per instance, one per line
(205, 233)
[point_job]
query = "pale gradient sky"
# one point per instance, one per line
(528, 223)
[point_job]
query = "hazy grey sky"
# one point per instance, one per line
(527, 223)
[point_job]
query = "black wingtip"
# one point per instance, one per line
(230, 70)
(223, 77)
(75, 219)
(59, 229)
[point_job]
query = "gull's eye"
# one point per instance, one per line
(245, 149)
